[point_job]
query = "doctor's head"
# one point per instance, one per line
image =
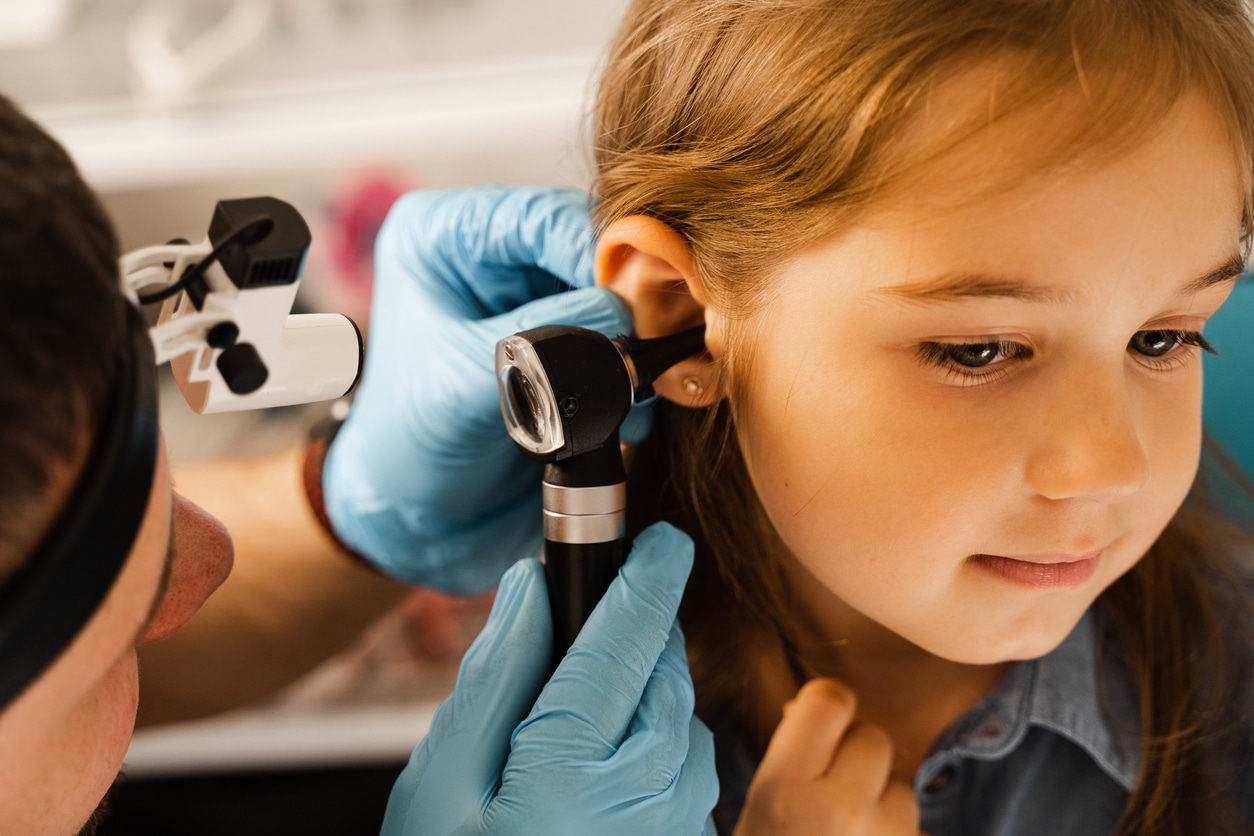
(65, 726)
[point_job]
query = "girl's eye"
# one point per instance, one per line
(971, 363)
(974, 355)
(976, 363)
(1159, 343)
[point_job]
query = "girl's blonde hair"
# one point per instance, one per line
(753, 127)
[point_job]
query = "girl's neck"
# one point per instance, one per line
(915, 695)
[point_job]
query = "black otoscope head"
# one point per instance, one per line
(566, 390)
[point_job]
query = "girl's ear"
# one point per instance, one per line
(649, 265)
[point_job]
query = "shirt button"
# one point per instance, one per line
(941, 780)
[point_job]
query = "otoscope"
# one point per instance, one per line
(564, 394)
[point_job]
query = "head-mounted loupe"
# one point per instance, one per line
(227, 330)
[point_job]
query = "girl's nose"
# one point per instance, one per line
(203, 556)
(1089, 445)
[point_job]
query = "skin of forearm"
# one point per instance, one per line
(293, 599)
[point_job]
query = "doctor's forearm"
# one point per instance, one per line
(293, 599)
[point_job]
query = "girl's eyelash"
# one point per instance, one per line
(1005, 354)
(1170, 360)
(942, 355)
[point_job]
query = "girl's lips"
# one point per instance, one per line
(1041, 571)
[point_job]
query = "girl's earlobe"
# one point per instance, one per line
(649, 265)
(693, 382)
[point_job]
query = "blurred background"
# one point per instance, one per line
(338, 107)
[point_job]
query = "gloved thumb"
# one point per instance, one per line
(620, 643)
(454, 771)
(594, 308)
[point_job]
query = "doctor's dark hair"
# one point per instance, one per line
(60, 329)
(755, 127)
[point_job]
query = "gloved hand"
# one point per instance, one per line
(609, 747)
(423, 479)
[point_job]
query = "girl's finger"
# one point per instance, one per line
(863, 761)
(806, 739)
(901, 810)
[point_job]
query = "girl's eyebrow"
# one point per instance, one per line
(953, 287)
(1233, 268)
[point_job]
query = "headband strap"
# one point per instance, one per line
(47, 603)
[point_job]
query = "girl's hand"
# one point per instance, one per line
(825, 774)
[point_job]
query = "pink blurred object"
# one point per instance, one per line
(439, 627)
(352, 222)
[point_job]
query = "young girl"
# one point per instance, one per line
(954, 260)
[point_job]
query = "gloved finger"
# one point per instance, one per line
(593, 695)
(699, 773)
(483, 251)
(547, 227)
(686, 805)
(594, 308)
(467, 385)
(457, 765)
(668, 697)
(439, 527)
(470, 558)
(658, 733)
(639, 422)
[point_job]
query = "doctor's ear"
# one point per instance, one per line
(649, 265)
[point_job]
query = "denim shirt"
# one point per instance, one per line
(1036, 756)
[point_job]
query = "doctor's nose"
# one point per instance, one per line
(203, 556)
(1089, 446)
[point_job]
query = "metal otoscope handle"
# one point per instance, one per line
(585, 538)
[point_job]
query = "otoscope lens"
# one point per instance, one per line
(524, 405)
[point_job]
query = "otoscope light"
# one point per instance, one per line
(527, 399)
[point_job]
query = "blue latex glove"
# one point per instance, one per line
(610, 746)
(423, 479)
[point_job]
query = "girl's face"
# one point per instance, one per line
(975, 410)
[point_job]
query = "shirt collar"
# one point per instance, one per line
(1066, 693)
